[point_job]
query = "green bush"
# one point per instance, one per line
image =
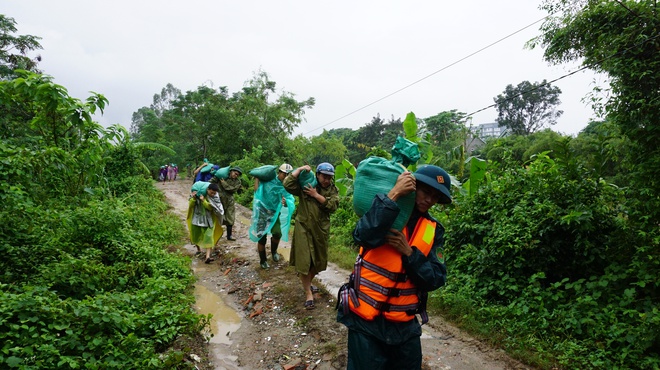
(543, 262)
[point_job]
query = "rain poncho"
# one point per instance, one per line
(200, 187)
(205, 220)
(267, 209)
(309, 247)
(264, 173)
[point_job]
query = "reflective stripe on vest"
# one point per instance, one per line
(381, 286)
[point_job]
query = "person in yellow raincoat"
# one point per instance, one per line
(205, 217)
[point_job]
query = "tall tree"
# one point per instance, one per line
(14, 49)
(528, 107)
(444, 125)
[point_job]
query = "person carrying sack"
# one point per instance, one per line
(393, 274)
(228, 187)
(204, 218)
(317, 200)
(272, 208)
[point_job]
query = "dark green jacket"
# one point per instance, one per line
(427, 273)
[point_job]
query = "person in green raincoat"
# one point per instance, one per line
(205, 219)
(309, 247)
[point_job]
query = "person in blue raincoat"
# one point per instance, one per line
(272, 209)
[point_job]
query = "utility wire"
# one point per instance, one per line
(425, 77)
(568, 74)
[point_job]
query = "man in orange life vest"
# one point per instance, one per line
(393, 274)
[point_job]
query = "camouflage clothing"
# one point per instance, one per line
(228, 187)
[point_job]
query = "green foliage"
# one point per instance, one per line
(631, 61)
(212, 123)
(544, 260)
(478, 173)
(85, 278)
(521, 148)
(344, 177)
(342, 249)
(9, 43)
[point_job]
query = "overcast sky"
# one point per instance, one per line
(345, 54)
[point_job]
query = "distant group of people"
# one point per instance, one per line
(394, 271)
(168, 172)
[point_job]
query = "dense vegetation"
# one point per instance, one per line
(86, 279)
(553, 244)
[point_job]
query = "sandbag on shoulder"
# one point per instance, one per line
(200, 187)
(376, 175)
(222, 172)
(306, 178)
(264, 173)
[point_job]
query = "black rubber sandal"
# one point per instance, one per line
(309, 305)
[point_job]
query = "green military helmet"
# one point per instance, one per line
(437, 178)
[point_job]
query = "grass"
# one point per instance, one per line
(342, 255)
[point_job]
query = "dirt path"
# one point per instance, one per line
(259, 319)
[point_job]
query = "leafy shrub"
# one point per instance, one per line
(543, 261)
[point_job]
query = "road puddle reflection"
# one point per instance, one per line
(225, 319)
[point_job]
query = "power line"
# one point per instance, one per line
(568, 74)
(432, 74)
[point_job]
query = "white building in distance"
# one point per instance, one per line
(489, 130)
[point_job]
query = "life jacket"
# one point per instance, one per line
(379, 284)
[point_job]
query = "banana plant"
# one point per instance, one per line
(411, 131)
(344, 177)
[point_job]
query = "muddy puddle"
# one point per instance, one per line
(225, 319)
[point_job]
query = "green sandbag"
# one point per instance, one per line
(307, 178)
(405, 151)
(207, 168)
(222, 173)
(264, 173)
(200, 187)
(376, 175)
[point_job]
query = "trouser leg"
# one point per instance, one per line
(274, 243)
(262, 252)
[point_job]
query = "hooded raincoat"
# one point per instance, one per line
(309, 248)
(204, 221)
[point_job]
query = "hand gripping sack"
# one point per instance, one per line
(207, 168)
(222, 173)
(264, 173)
(307, 178)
